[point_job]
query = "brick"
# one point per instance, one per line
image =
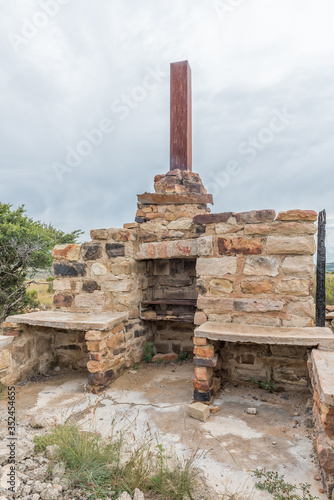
(302, 245)
(255, 216)
(261, 266)
(206, 362)
(199, 411)
(205, 397)
(202, 373)
(200, 341)
(216, 266)
(295, 215)
(66, 252)
(203, 385)
(239, 245)
(101, 378)
(204, 351)
(170, 356)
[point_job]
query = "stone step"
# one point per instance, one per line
(70, 321)
(323, 370)
(322, 338)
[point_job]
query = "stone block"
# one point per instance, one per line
(258, 305)
(212, 218)
(256, 320)
(302, 245)
(118, 284)
(256, 287)
(61, 300)
(303, 308)
(99, 234)
(170, 356)
(115, 250)
(66, 285)
(204, 246)
(215, 305)
(205, 397)
(69, 270)
(255, 216)
(261, 266)
(298, 215)
(115, 340)
(220, 286)
(216, 266)
(200, 341)
(66, 252)
(287, 228)
(181, 224)
(161, 268)
(101, 379)
(206, 362)
(92, 301)
(199, 411)
(239, 245)
(95, 335)
(301, 265)
(5, 359)
(293, 287)
(200, 318)
(96, 345)
(90, 286)
(91, 251)
(98, 269)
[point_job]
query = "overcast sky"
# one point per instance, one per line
(85, 104)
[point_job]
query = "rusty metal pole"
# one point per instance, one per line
(180, 116)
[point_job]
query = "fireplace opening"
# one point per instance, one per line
(169, 303)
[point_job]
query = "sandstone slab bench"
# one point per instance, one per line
(249, 350)
(104, 343)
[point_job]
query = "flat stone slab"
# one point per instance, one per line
(70, 321)
(232, 332)
(5, 340)
(323, 369)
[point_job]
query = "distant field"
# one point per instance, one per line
(44, 297)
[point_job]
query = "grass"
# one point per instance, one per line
(100, 467)
(279, 488)
(44, 295)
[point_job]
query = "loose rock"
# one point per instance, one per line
(38, 421)
(251, 411)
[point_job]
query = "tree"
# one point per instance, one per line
(25, 247)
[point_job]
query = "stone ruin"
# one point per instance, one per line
(233, 289)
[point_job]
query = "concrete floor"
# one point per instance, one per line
(154, 399)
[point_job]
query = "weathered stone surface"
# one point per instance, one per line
(70, 270)
(5, 359)
(324, 451)
(216, 305)
(200, 341)
(281, 228)
(255, 216)
(66, 252)
(115, 250)
(228, 228)
(170, 356)
(303, 308)
(212, 218)
(90, 286)
(295, 215)
(261, 266)
(174, 199)
(38, 421)
(66, 285)
(92, 301)
(199, 411)
(202, 373)
(180, 224)
(216, 266)
(256, 320)
(239, 245)
(203, 385)
(98, 269)
(61, 300)
(99, 234)
(116, 340)
(119, 284)
(220, 286)
(256, 287)
(204, 246)
(258, 305)
(322, 366)
(303, 245)
(301, 265)
(232, 332)
(293, 287)
(91, 251)
(207, 351)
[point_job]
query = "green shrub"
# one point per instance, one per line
(276, 486)
(148, 352)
